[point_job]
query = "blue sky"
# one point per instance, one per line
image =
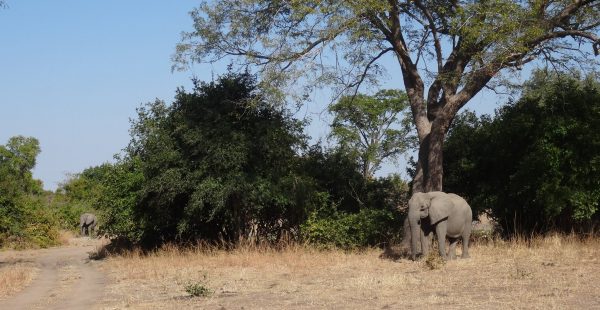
(73, 73)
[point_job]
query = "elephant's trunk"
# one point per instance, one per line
(415, 233)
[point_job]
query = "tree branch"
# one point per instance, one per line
(436, 40)
(364, 74)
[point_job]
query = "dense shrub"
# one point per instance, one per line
(219, 163)
(25, 221)
(367, 214)
(344, 230)
(120, 188)
(536, 165)
(28, 224)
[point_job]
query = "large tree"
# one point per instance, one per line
(447, 51)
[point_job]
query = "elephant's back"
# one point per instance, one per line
(87, 218)
(462, 205)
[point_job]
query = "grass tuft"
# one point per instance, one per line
(197, 289)
(434, 261)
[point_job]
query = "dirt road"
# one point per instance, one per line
(67, 279)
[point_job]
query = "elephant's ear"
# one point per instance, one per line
(439, 209)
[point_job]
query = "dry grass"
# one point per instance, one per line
(554, 272)
(14, 276)
(65, 237)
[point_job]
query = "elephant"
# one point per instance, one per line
(449, 215)
(87, 223)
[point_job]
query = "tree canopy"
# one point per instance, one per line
(23, 220)
(372, 128)
(534, 166)
(447, 51)
(215, 162)
(222, 164)
(17, 159)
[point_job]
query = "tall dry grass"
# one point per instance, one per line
(14, 277)
(553, 272)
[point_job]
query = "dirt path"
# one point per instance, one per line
(67, 279)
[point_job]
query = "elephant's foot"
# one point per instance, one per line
(465, 255)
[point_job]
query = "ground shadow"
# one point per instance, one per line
(116, 246)
(395, 253)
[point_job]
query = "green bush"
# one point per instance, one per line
(68, 215)
(342, 230)
(44, 230)
(535, 166)
(197, 289)
(205, 167)
(31, 225)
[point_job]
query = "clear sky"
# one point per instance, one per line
(74, 71)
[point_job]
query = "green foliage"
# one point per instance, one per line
(197, 289)
(367, 127)
(67, 214)
(24, 219)
(343, 230)
(41, 227)
(120, 188)
(447, 51)
(85, 186)
(535, 165)
(336, 179)
(17, 159)
(216, 164)
(80, 194)
(220, 164)
(340, 42)
(352, 212)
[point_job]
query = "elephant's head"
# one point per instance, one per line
(425, 209)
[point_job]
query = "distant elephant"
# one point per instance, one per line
(449, 215)
(87, 223)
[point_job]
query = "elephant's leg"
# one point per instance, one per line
(440, 231)
(452, 249)
(465, 242)
(425, 242)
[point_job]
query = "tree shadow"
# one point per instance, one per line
(395, 252)
(117, 246)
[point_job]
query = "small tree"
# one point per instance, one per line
(17, 159)
(367, 127)
(24, 220)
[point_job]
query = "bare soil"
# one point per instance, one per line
(55, 278)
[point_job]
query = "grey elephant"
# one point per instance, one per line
(87, 223)
(449, 215)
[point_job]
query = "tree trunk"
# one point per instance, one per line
(429, 173)
(435, 159)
